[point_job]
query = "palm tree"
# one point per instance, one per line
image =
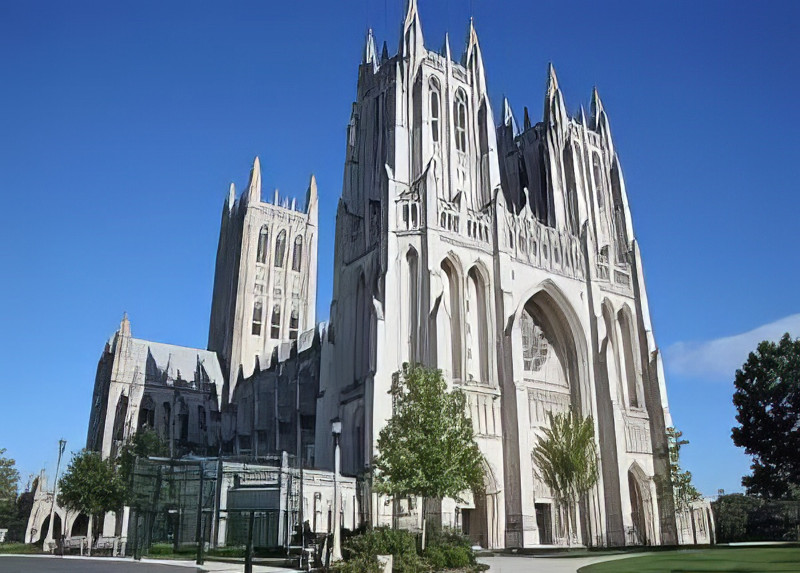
(565, 459)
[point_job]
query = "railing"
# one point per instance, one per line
(546, 247)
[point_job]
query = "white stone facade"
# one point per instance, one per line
(265, 284)
(507, 259)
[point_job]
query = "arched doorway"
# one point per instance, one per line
(550, 358)
(80, 527)
(482, 523)
(46, 527)
(641, 532)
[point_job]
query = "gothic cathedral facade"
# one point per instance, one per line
(506, 258)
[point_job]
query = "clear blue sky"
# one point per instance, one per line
(122, 124)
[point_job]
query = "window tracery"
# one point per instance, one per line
(535, 346)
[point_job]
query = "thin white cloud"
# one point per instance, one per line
(717, 360)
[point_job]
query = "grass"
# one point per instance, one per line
(19, 548)
(727, 560)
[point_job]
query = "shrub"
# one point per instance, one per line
(457, 557)
(359, 564)
(411, 563)
(436, 557)
(381, 541)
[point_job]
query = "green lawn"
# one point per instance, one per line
(739, 560)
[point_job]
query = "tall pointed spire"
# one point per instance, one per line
(125, 325)
(231, 200)
(598, 112)
(370, 55)
(555, 113)
(311, 194)
(412, 41)
(473, 59)
(508, 117)
(254, 187)
(599, 121)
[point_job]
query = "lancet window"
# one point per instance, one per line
(534, 344)
(297, 253)
(460, 117)
(435, 102)
(280, 248)
(257, 320)
(294, 324)
(263, 243)
(275, 323)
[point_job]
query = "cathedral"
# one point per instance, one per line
(501, 253)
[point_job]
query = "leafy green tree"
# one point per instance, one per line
(9, 478)
(428, 447)
(683, 488)
(565, 459)
(767, 399)
(91, 485)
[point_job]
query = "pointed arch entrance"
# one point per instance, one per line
(642, 528)
(483, 523)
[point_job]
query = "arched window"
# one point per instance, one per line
(119, 419)
(413, 303)
(275, 323)
(280, 248)
(297, 253)
(294, 324)
(460, 117)
(572, 190)
(435, 111)
(534, 345)
(599, 182)
(477, 327)
(147, 413)
(201, 419)
(453, 328)
(263, 244)
(629, 360)
(257, 320)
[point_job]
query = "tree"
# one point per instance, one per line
(565, 459)
(9, 478)
(428, 447)
(684, 491)
(143, 444)
(767, 399)
(91, 485)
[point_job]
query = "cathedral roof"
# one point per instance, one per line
(171, 363)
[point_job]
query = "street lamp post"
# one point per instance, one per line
(336, 553)
(62, 443)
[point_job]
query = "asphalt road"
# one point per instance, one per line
(47, 564)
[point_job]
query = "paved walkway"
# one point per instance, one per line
(546, 564)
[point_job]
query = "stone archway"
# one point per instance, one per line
(642, 531)
(550, 361)
(483, 523)
(80, 527)
(44, 529)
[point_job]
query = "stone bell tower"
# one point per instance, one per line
(265, 282)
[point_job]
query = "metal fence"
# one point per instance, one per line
(202, 503)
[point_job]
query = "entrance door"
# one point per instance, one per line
(637, 511)
(544, 521)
